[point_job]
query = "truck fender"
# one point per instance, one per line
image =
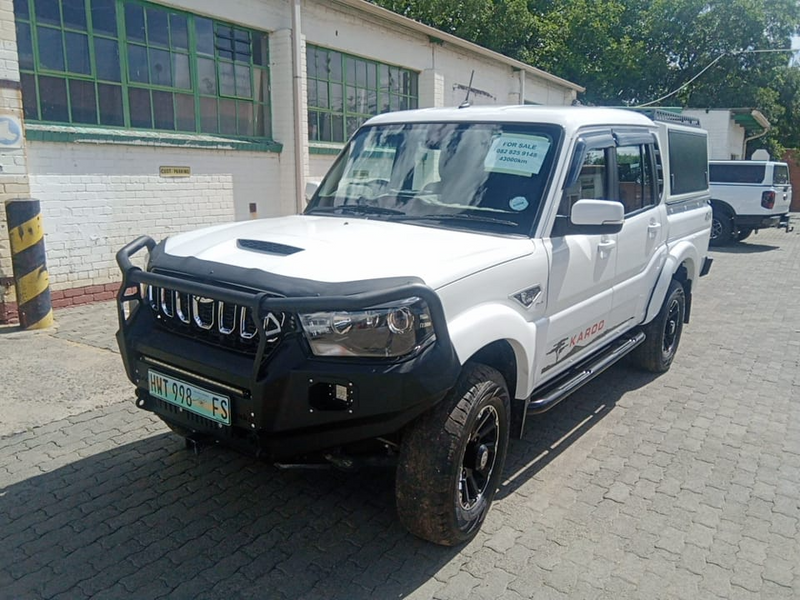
(721, 204)
(683, 253)
(480, 326)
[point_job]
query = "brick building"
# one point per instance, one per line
(154, 118)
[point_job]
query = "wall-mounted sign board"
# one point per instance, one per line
(174, 171)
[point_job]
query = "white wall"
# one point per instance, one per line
(725, 136)
(96, 198)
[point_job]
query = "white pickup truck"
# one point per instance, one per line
(748, 195)
(457, 270)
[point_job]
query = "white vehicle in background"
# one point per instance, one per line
(748, 195)
(455, 271)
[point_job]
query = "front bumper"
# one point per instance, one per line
(282, 400)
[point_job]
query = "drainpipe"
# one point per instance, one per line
(761, 120)
(297, 99)
(521, 86)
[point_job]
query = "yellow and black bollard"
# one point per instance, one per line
(29, 262)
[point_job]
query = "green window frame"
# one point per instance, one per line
(136, 65)
(346, 90)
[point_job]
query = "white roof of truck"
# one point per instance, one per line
(569, 117)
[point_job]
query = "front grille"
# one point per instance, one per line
(211, 320)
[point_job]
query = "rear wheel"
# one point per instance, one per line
(452, 459)
(663, 333)
(721, 228)
(744, 233)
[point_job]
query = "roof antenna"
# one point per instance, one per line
(465, 103)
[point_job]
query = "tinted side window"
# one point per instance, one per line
(780, 175)
(688, 159)
(738, 173)
(635, 177)
(592, 181)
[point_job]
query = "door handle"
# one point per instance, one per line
(653, 228)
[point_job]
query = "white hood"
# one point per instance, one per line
(336, 249)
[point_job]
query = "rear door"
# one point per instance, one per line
(782, 187)
(641, 245)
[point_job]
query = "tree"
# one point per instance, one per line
(628, 52)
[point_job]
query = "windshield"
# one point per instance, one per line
(483, 176)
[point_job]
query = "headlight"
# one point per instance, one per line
(381, 332)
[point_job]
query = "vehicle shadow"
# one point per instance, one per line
(744, 248)
(149, 519)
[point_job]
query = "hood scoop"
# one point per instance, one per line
(267, 247)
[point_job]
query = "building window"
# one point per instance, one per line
(344, 91)
(121, 63)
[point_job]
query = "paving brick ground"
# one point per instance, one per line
(685, 485)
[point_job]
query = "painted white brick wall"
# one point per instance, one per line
(725, 136)
(95, 198)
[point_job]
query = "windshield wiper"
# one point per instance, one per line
(357, 209)
(460, 217)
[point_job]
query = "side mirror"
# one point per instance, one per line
(311, 188)
(597, 216)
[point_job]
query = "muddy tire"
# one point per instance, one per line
(452, 458)
(663, 333)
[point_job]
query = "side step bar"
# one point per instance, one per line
(552, 393)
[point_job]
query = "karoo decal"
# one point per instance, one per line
(576, 343)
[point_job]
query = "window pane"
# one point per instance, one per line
(372, 75)
(157, 29)
(208, 115)
(78, 53)
(352, 124)
(74, 14)
(243, 87)
(110, 104)
(241, 35)
(311, 90)
(82, 101)
(180, 67)
(350, 69)
(134, 22)
(163, 110)
(243, 51)
(184, 112)
(47, 12)
(324, 133)
(313, 127)
(227, 81)
(337, 128)
(413, 89)
(53, 94)
(24, 46)
(263, 127)
(372, 102)
(311, 62)
(137, 64)
(336, 66)
(51, 51)
(352, 99)
(262, 86)
(207, 76)
(139, 104)
(104, 17)
(361, 73)
(337, 103)
(30, 101)
(179, 31)
(227, 116)
(160, 73)
(245, 115)
(260, 49)
(106, 58)
(21, 9)
(322, 94)
(204, 29)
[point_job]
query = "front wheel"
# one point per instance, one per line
(663, 334)
(452, 459)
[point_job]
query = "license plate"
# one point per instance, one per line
(190, 397)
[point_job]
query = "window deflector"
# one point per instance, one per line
(585, 143)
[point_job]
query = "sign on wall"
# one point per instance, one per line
(10, 132)
(174, 171)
